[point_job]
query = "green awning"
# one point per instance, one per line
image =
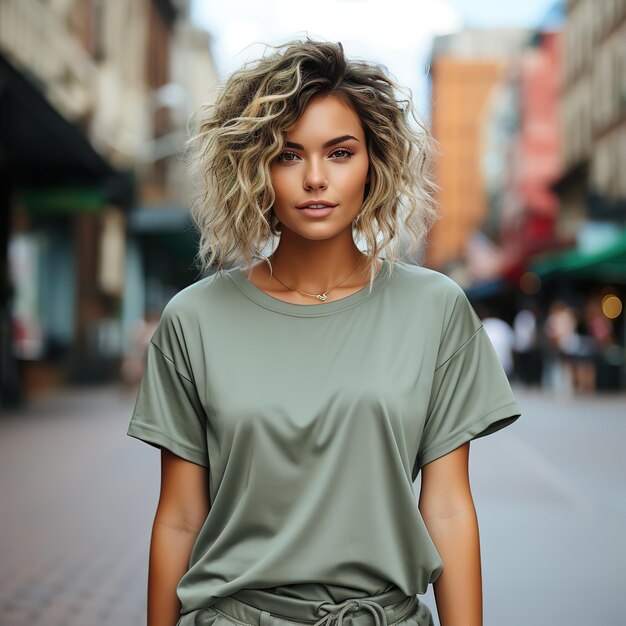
(608, 264)
(63, 200)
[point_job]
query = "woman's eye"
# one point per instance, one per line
(287, 156)
(342, 153)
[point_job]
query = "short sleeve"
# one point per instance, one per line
(470, 395)
(168, 412)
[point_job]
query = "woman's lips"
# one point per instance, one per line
(317, 212)
(316, 208)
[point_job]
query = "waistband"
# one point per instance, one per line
(254, 606)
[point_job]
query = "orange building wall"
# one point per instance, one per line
(460, 90)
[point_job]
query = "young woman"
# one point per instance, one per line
(296, 399)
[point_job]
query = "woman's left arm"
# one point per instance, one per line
(447, 508)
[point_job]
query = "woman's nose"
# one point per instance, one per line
(315, 177)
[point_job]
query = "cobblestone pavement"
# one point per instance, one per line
(78, 497)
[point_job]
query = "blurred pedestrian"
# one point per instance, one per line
(527, 345)
(579, 352)
(503, 339)
(558, 326)
(599, 325)
(608, 354)
(296, 400)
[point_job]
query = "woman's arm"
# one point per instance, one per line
(182, 509)
(447, 507)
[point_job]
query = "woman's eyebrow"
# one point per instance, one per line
(330, 142)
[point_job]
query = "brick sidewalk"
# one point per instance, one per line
(78, 497)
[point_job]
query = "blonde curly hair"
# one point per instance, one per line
(237, 137)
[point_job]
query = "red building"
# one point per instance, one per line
(530, 206)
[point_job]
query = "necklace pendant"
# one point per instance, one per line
(321, 296)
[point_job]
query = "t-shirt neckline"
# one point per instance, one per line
(262, 298)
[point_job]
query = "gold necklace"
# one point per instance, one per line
(320, 296)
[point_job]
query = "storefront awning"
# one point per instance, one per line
(65, 200)
(167, 228)
(170, 219)
(608, 264)
(41, 146)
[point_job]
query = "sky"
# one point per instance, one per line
(396, 33)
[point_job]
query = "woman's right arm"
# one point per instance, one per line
(182, 509)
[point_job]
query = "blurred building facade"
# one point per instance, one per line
(592, 186)
(521, 160)
(465, 68)
(94, 105)
(593, 105)
(533, 200)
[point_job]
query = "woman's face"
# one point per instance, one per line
(324, 161)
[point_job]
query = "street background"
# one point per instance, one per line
(528, 105)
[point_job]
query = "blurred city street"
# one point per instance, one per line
(79, 496)
(110, 131)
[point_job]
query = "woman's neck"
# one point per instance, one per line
(312, 273)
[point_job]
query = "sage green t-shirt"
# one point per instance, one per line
(314, 421)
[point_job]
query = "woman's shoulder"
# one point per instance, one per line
(440, 304)
(434, 298)
(424, 281)
(199, 299)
